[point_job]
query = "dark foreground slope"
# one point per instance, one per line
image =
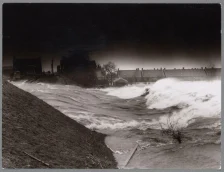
(31, 126)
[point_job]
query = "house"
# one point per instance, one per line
(120, 82)
(131, 76)
(152, 75)
(27, 66)
(137, 75)
(7, 70)
(101, 80)
(67, 64)
(99, 75)
(213, 72)
(186, 74)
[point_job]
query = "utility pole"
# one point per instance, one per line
(52, 65)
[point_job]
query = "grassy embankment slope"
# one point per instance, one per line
(31, 126)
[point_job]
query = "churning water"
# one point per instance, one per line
(129, 117)
(193, 98)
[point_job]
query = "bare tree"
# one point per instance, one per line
(110, 69)
(211, 64)
(172, 129)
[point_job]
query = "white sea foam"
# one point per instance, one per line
(127, 92)
(193, 98)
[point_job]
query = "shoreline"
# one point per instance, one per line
(32, 127)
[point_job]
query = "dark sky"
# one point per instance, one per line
(131, 35)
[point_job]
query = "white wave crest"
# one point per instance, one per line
(194, 98)
(127, 92)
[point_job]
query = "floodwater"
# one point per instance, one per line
(132, 118)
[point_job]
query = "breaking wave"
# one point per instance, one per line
(190, 99)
